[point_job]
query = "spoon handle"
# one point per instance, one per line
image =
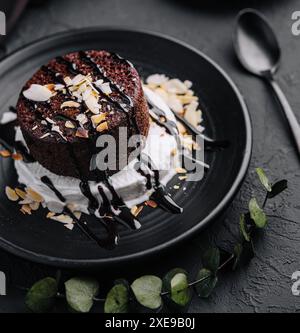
(291, 118)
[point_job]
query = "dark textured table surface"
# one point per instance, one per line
(265, 284)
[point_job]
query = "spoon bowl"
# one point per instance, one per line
(256, 44)
(258, 50)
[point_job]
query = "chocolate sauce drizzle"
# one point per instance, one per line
(112, 235)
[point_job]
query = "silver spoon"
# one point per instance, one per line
(258, 50)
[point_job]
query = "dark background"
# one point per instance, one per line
(265, 284)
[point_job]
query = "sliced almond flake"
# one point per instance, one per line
(35, 196)
(187, 99)
(21, 193)
(82, 118)
(77, 215)
(82, 133)
(26, 201)
(69, 104)
(98, 83)
(96, 119)
(182, 177)
(68, 81)
(49, 215)
(37, 93)
(59, 86)
(135, 211)
(175, 86)
(34, 127)
(181, 128)
(180, 170)
(175, 104)
(85, 94)
(69, 124)
(192, 115)
(70, 226)
(66, 219)
(11, 194)
(26, 209)
(92, 103)
(79, 78)
(5, 153)
(157, 79)
(151, 203)
(34, 205)
(45, 135)
(17, 157)
(105, 88)
(188, 84)
(102, 127)
(194, 118)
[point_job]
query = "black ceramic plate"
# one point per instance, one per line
(39, 239)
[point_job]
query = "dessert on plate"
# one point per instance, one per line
(89, 140)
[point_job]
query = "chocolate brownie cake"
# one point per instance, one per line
(74, 99)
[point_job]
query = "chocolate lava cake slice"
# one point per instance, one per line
(72, 100)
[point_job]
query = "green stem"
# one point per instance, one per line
(198, 281)
(265, 200)
(191, 284)
(226, 262)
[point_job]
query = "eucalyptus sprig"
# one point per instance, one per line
(175, 289)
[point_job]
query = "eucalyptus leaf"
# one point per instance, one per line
(257, 214)
(180, 292)
(117, 299)
(244, 228)
(211, 259)
(41, 296)
(264, 179)
(80, 292)
(277, 188)
(147, 290)
(207, 282)
(169, 276)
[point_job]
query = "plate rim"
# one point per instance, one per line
(223, 204)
